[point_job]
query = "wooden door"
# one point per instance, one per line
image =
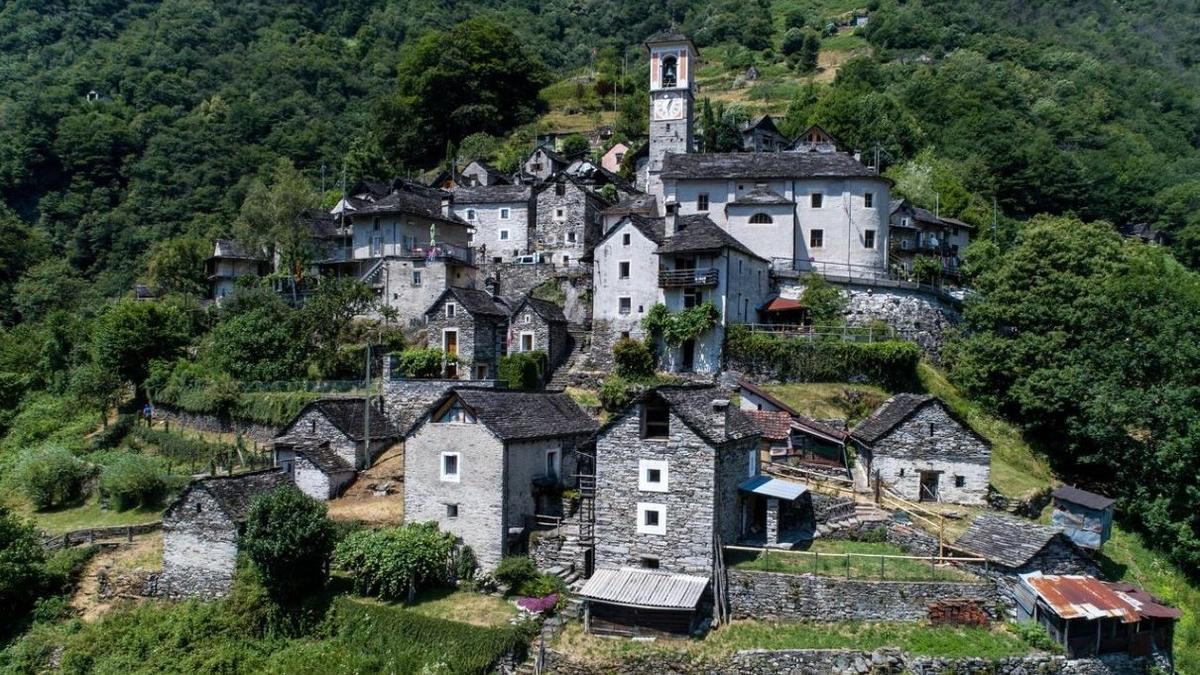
(450, 346)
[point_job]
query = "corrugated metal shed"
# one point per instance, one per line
(1082, 597)
(773, 487)
(649, 589)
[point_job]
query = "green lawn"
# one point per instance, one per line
(844, 41)
(827, 557)
(830, 400)
(461, 606)
(82, 516)
(915, 638)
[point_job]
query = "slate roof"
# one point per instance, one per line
(776, 426)
(752, 165)
(1088, 500)
(321, 455)
(412, 198)
(697, 233)
(491, 194)
(764, 122)
(474, 301)
(694, 405)
(551, 153)
(525, 415)
(543, 308)
(1006, 540)
(487, 169)
(231, 248)
(670, 36)
(234, 493)
(346, 413)
(759, 197)
(888, 416)
(641, 204)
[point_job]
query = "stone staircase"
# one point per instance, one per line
(862, 513)
(581, 340)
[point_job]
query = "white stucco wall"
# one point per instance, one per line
(400, 233)
(641, 287)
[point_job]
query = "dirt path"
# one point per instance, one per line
(125, 566)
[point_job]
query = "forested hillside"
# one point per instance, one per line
(132, 132)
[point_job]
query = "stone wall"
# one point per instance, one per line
(568, 237)
(314, 425)
(838, 662)
(406, 401)
(807, 597)
(574, 282)
(932, 440)
(255, 431)
(478, 336)
(199, 548)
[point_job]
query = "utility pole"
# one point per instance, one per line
(367, 406)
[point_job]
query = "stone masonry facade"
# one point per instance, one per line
(800, 597)
(932, 440)
(199, 549)
(548, 337)
(567, 224)
(479, 337)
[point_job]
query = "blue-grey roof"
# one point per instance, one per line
(773, 487)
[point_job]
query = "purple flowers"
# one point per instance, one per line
(538, 605)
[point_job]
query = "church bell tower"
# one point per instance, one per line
(672, 103)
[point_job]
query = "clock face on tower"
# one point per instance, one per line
(669, 107)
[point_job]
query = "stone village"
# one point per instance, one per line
(644, 514)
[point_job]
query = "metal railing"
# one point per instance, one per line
(868, 333)
(849, 273)
(707, 276)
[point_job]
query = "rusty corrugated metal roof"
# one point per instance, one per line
(1084, 597)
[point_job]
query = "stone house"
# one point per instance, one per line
(471, 325)
(762, 135)
(668, 471)
(479, 173)
(316, 469)
(543, 163)
(924, 451)
(567, 221)
(624, 265)
(201, 529)
(483, 463)
(501, 216)
(699, 262)
(916, 232)
(642, 205)
(341, 422)
(539, 325)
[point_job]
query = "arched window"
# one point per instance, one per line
(760, 219)
(669, 70)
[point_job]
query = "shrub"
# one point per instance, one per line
(890, 364)
(134, 480)
(391, 562)
(541, 585)
(51, 476)
(824, 301)
(633, 358)
(1035, 636)
(465, 563)
(21, 557)
(615, 393)
(523, 370)
(793, 41)
(515, 571)
(112, 435)
(423, 363)
(289, 538)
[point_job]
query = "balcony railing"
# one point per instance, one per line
(707, 276)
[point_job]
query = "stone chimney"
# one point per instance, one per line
(446, 199)
(669, 219)
(720, 407)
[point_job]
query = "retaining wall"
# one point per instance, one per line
(263, 433)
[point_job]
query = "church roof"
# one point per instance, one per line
(764, 165)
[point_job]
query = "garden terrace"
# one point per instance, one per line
(853, 560)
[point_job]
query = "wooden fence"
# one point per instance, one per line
(864, 566)
(92, 534)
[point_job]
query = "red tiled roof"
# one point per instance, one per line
(776, 426)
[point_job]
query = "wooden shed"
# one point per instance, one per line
(1085, 517)
(642, 603)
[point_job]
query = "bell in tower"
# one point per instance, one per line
(672, 103)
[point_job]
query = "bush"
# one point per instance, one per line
(615, 394)
(183, 450)
(465, 563)
(541, 585)
(523, 370)
(516, 571)
(289, 538)
(1035, 636)
(21, 557)
(793, 41)
(51, 476)
(391, 562)
(134, 480)
(112, 435)
(633, 358)
(824, 301)
(422, 363)
(891, 365)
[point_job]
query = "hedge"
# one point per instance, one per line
(890, 364)
(523, 370)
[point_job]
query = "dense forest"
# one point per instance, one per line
(132, 133)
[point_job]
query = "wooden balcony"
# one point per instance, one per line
(686, 278)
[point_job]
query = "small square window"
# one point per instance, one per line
(452, 510)
(625, 239)
(623, 270)
(651, 518)
(624, 335)
(815, 200)
(503, 235)
(560, 214)
(471, 214)
(816, 238)
(869, 239)
(624, 305)
(450, 467)
(504, 213)
(652, 475)
(868, 200)
(702, 202)
(649, 562)
(960, 481)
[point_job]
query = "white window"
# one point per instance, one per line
(450, 466)
(869, 239)
(526, 342)
(503, 235)
(451, 310)
(553, 466)
(560, 213)
(623, 269)
(651, 518)
(752, 463)
(652, 475)
(624, 305)
(471, 214)
(504, 213)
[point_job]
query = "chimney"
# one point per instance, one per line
(446, 199)
(720, 407)
(492, 284)
(669, 224)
